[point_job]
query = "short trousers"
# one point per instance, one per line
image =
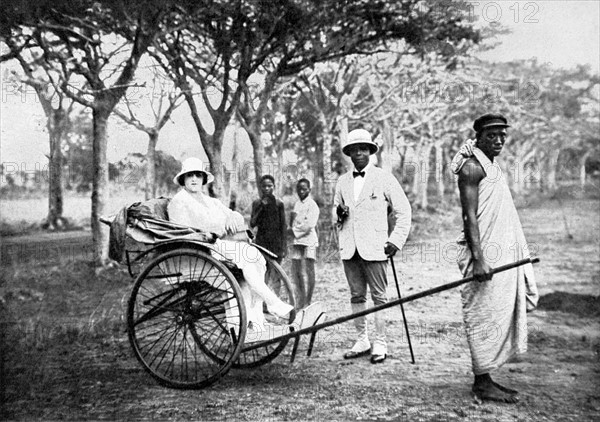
(303, 252)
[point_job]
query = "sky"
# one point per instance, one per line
(563, 33)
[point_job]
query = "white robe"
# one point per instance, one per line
(494, 312)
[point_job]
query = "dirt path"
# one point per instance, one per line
(89, 373)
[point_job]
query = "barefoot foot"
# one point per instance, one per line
(490, 392)
(505, 389)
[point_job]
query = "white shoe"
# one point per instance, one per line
(309, 316)
(282, 310)
(360, 348)
(379, 348)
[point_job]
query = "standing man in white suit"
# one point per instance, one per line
(363, 199)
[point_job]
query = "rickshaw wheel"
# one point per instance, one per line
(279, 282)
(186, 318)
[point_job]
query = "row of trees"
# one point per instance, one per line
(19, 179)
(295, 110)
(294, 76)
(87, 52)
(421, 113)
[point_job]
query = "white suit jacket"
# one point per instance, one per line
(366, 228)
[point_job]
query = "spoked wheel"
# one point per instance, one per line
(279, 282)
(186, 319)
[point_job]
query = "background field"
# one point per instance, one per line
(66, 356)
(18, 215)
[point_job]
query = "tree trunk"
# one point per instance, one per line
(402, 155)
(439, 172)
(281, 176)
(234, 174)
(216, 159)
(421, 175)
(258, 151)
(415, 187)
(328, 178)
(150, 190)
(424, 165)
(100, 193)
(388, 146)
(55, 126)
(342, 124)
(316, 166)
(552, 166)
(519, 175)
(212, 144)
(251, 119)
(582, 171)
(216, 165)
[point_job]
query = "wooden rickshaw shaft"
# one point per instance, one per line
(396, 302)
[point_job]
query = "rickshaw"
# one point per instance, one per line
(186, 318)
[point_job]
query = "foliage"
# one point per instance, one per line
(19, 228)
(228, 58)
(94, 48)
(77, 150)
(304, 75)
(425, 107)
(131, 170)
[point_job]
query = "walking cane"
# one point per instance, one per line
(412, 356)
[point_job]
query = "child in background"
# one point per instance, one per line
(303, 222)
(268, 216)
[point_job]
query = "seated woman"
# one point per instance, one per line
(190, 206)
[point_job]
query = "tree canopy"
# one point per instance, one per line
(227, 56)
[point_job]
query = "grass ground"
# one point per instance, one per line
(65, 353)
(24, 215)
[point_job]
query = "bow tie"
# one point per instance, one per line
(358, 173)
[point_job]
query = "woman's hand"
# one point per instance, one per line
(234, 223)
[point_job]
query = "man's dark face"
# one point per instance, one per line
(267, 187)
(302, 190)
(491, 141)
(360, 155)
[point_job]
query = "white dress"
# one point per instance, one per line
(210, 215)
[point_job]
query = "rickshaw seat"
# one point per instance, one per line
(147, 223)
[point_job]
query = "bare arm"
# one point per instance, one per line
(469, 177)
(281, 209)
(256, 210)
(292, 218)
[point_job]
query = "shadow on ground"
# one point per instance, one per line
(578, 304)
